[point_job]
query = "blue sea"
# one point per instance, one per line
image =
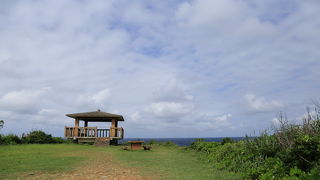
(179, 141)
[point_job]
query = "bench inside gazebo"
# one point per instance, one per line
(95, 135)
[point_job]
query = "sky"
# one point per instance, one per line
(177, 68)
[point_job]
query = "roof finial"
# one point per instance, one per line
(98, 110)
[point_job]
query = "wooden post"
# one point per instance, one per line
(116, 128)
(113, 128)
(113, 123)
(85, 129)
(76, 127)
(113, 131)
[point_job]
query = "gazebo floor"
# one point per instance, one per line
(86, 140)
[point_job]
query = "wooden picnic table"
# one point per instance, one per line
(135, 145)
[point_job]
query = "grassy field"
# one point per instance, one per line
(171, 163)
(18, 161)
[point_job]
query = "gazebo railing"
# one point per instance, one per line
(119, 132)
(103, 132)
(93, 132)
(87, 131)
(69, 132)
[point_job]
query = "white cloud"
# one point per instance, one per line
(275, 121)
(48, 112)
(311, 115)
(172, 91)
(223, 118)
(215, 122)
(5, 114)
(261, 104)
(135, 116)
(212, 13)
(169, 109)
(99, 98)
(182, 60)
(23, 100)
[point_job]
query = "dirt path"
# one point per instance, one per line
(101, 166)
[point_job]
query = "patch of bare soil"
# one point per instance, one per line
(101, 166)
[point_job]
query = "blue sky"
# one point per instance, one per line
(198, 68)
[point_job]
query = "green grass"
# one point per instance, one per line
(18, 161)
(170, 163)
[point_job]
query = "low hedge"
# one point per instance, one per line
(34, 137)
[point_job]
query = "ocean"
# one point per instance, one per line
(179, 141)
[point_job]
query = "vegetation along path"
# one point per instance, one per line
(70, 161)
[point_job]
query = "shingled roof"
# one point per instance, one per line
(96, 116)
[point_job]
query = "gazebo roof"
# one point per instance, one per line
(96, 116)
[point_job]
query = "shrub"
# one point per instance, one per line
(292, 152)
(34, 137)
(38, 137)
(169, 144)
(269, 168)
(299, 143)
(201, 145)
(226, 140)
(10, 139)
(152, 141)
(265, 145)
(58, 140)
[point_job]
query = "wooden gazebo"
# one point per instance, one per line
(93, 134)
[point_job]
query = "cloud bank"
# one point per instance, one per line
(173, 69)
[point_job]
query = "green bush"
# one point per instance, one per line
(226, 140)
(34, 137)
(292, 152)
(152, 141)
(58, 140)
(38, 137)
(10, 139)
(265, 145)
(201, 145)
(169, 144)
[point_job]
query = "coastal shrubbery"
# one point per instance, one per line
(34, 137)
(164, 143)
(291, 152)
(10, 139)
(37, 137)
